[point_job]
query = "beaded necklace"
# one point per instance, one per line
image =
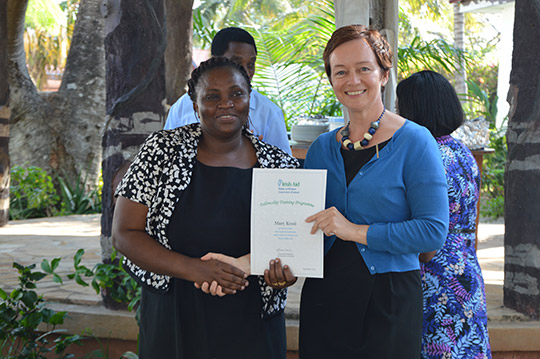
(361, 144)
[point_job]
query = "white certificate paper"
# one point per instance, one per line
(281, 200)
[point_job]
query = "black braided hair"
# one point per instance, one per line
(212, 63)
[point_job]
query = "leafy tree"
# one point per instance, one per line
(291, 69)
(247, 12)
(437, 55)
(46, 39)
(290, 40)
(432, 46)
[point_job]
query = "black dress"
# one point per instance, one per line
(354, 314)
(213, 215)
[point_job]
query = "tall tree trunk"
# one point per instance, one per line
(178, 54)
(135, 43)
(4, 118)
(522, 174)
(83, 93)
(30, 114)
(459, 43)
(59, 131)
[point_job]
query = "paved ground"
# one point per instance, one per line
(30, 241)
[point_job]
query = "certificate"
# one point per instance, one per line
(281, 200)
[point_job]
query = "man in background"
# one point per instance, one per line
(265, 118)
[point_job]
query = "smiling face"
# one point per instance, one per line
(222, 101)
(357, 78)
(244, 55)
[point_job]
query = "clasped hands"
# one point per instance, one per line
(330, 221)
(276, 276)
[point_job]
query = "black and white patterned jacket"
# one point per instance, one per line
(157, 177)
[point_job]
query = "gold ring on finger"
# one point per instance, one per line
(281, 283)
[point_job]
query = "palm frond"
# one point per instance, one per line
(433, 55)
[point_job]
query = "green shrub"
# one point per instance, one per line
(32, 193)
(76, 199)
(493, 177)
(23, 310)
(110, 278)
(493, 207)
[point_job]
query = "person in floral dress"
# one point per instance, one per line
(455, 315)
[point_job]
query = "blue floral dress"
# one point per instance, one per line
(455, 316)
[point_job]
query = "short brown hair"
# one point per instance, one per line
(374, 39)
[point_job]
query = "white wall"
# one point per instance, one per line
(506, 45)
(505, 26)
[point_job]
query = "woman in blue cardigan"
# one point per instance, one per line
(386, 203)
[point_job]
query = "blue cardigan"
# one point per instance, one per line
(402, 196)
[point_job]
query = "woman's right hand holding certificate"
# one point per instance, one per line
(332, 223)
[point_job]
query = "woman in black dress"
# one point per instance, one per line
(187, 193)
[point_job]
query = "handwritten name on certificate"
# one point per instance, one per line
(281, 200)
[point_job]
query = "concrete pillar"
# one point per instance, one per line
(350, 12)
(390, 30)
